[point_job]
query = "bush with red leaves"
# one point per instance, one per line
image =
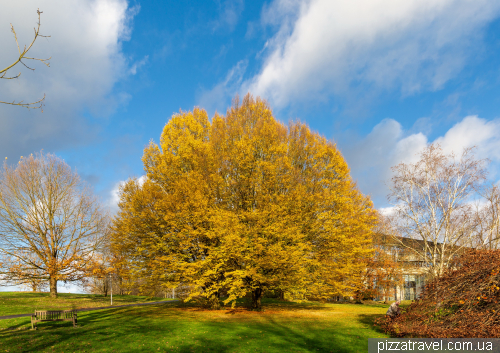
(464, 302)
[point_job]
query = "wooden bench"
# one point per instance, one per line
(53, 315)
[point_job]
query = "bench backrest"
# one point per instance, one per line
(54, 314)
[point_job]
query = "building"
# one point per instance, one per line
(414, 270)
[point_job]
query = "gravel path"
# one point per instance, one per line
(90, 309)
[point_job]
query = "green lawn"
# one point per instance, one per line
(12, 303)
(174, 327)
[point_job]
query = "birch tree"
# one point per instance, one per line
(487, 219)
(51, 224)
(433, 201)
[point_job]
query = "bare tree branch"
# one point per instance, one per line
(23, 56)
(433, 200)
(50, 223)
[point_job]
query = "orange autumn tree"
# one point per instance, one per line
(105, 272)
(51, 224)
(384, 268)
(17, 274)
(241, 205)
(100, 272)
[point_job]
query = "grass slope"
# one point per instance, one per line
(174, 327)
(12, 303)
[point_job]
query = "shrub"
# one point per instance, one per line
(464, 302)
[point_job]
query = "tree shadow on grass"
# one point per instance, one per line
(282, 334)
(369, 320)
(96, 330)
(160, 328)
(18, 326)
(267, 305)
(273, 335)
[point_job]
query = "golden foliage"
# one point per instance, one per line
(243, 204)
(385, 267)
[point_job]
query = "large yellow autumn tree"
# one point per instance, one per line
(243, 204)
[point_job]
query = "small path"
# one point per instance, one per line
(99, 308)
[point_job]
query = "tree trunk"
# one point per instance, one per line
(53, 287)
(256, 297)
(281, 294)
(122, 292)
(214, 302)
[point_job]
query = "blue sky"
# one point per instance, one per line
(382, 78)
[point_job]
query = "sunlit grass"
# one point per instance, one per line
(281, 327)
(12, 303)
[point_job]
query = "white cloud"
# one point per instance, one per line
(473, 131)
(115, 197)
(86, 62)
(387, 211)
(325, 47)
(387, 145)
(219, 96)
(229, 14)
(137, 65)
(371, 158)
